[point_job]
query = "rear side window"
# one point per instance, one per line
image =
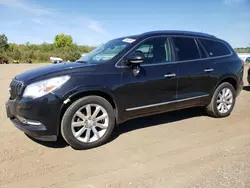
(185, 48)
(202, 51)
(215, 48)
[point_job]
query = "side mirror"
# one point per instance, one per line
(135, 58)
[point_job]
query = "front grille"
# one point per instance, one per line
(15, 89)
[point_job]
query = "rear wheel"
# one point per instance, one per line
(223, 101)
(88, 122)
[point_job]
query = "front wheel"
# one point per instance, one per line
(223, 101)
(88, 122)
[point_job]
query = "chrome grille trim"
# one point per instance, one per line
(16, 88)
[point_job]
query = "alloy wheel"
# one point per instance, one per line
(90, 123)
(225, 100)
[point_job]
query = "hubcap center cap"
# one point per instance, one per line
(90, 123)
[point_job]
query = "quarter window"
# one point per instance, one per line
(156, 50)
(215, 48)
(185, 48)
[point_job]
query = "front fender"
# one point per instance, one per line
(83, 89)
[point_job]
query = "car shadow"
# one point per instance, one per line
(139, 123)
(246, 88)
(154, 120)
(60, 143)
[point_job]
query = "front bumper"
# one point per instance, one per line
(38, 118)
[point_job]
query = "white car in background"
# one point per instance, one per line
(56, 60)
(244, 56)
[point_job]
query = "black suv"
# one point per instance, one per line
(123, 79)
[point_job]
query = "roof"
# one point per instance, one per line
(168, 32)
(178, 32)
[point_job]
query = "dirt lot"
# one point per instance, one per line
(178, 149)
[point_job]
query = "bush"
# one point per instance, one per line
(41, 53)
(63, 47)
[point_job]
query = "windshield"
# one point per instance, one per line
(106, 51)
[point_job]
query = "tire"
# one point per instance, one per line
(212, 108)
(71, 115)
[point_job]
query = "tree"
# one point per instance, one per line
(62, 47)
(29, 55)
(70, 53)
(16, 54)
(63, 40)
(3, 42)
(14, 51)
(45, 47)
(243, 50)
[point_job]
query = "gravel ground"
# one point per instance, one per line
(183, 149)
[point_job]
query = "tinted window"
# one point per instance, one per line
(185, 48)
(202, 51)
(155, 50)
(215, 48)
(147, 50)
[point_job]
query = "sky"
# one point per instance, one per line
(91, 22)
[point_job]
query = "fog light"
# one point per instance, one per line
(28, 122)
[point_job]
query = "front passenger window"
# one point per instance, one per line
(155, 50)
(146, 49)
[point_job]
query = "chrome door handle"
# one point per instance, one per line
(169, 75)
(208, 70)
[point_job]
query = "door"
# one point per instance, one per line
(155, 85)
(195, 71)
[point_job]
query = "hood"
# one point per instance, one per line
(54, 69)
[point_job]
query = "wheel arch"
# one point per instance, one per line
(104, 94)
(230, 79)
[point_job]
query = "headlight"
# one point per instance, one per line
(41, 88)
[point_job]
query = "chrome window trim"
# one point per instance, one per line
(164, 103)
(174, 62)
